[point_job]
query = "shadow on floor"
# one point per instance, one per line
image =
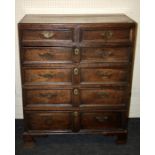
(81, 144)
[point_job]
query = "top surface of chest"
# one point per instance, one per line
(108, 18)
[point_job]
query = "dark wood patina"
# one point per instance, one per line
(76, 74)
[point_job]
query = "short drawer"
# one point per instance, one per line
(101, 120)
(42, 75)
(106, 35)
(105, 96)
(46, 55)
(48, 120)
(105, 54)
(47, 35)
(45, 97)
(103, 75)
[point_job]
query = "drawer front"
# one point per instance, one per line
(106, 35)
(48, 120)
(101, 120)
(100, 75)
(47, 75)
(48, 97)
(47, 35)
(105, 96)
(47, 55)
(110, 54)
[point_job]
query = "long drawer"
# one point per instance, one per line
(50, 121)
(75, 75)
(71, 55)
(31, 55)
(71, 97)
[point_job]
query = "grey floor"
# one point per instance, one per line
(81, 144)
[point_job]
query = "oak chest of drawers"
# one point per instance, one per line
(76, 74)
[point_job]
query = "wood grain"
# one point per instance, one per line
(76, 74)
(47, 55)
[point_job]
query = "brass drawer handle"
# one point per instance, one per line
(76, 71)
(105, 53)
(103, 34)
(48, 75)
(107, 34)
(47, 34)
(76, 51)
(48, 121)
(47, 56)
(76, 91)
(102, 119)
(48, 95)
(104, 74)
(103, 94)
